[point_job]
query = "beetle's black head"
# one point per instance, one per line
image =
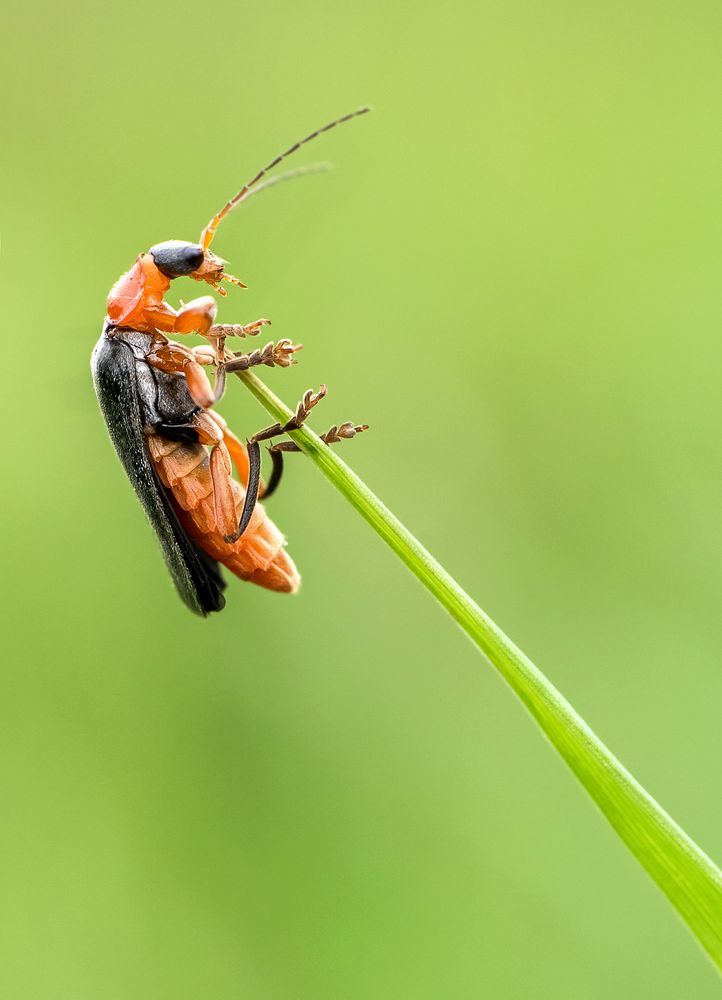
(177, 259)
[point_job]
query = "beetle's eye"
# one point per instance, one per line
(175, 259)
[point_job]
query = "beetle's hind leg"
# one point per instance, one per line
(336, 433)
(240, 455)
(224, 502)
(310, 399)
(211, 431)
(252, 489)
(339, 432)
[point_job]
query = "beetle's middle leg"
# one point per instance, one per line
(272, 355)
(171, 357)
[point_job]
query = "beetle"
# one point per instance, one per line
(158, 403)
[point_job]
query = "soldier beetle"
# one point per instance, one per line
(177, 451)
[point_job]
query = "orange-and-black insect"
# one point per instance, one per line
(178, 452)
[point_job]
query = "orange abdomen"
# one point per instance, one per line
(259, 554)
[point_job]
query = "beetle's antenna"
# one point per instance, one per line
(290, 175)
(245, 192)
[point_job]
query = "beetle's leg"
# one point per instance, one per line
(218, 333)
(236, 448)
(196, 316)
(206, 354)
(310, 399)
(219, 383)
(237, 329)
(276, 473)
(209, 428)
(176, 358)
(332, 436)
(248, 464)
(273, 355)
(340, 432)
(224, 503)
(251, 498)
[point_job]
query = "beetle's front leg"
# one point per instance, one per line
(193, 317)
(219, 332)
(196, 316)
(237, 329)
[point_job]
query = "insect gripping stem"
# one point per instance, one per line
(209, 232)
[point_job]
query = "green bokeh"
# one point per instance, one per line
(513, 276)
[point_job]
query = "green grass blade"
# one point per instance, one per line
(690, 880)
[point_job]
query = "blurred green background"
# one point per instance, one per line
(514, 276)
